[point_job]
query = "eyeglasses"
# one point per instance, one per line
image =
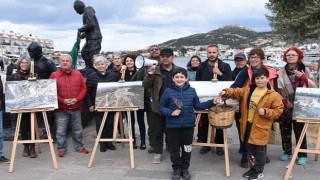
(291, 55)
(108, 58)
(154, 49)
(254, 57)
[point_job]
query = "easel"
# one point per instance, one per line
(316, 151)
(115, 128)
(209, 142)
(34, 127)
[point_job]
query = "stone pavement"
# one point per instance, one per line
(116, 164)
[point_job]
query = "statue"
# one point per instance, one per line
(90, 31)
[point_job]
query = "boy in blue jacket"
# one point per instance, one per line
(177, 104)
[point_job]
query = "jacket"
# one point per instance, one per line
(261, 125)
(69, 85)
(44, 67)
(92, 83)
(204, 72)
(154, 82)
(90, 24)
(189, 99)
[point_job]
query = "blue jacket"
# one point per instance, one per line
(190, 100)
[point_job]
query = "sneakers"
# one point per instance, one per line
(244, 162)
(151, 150)
(84, 151)
(176, 174)
(248, 173)
(157, 159)
(61, 153)
(185, 174)
(255, 175)
(4, 160)
(219, 151)
(285, 157)
(205, 150)
(302, 161)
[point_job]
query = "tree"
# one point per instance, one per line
(183, 51)
(295, 21)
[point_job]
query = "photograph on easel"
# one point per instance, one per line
(307, 103)
(31, 94)
(120, 95)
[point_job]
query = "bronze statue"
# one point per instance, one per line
(90, 31)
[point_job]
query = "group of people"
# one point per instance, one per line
(264, 94)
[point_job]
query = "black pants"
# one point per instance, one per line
(150, 121)
(286, 132)
(159, 131)
(180, 138)
(107, 131)
(243, 147)
(204, 131)
(142, 127)
(25, 128)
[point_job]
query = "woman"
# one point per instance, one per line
(100, 75)
(192, 66)
(294, 74)
(23, 72)
(244, 79)
(131, 75)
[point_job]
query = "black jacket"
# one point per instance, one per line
(44, 67)
(204, 72)
(90, 24)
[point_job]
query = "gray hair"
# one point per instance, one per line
(100, 59)
(24, 57)
(68, 55)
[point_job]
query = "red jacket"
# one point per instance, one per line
(69, 85)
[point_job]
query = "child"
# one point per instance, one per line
(176, 104)
(261, 105)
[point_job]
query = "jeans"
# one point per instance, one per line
(1, 133)
(62, 121)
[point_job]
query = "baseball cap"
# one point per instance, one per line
(240, 56)
(166, 51)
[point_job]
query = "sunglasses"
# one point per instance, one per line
(154, 49)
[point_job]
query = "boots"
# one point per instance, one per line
(26, 152)
(143, 145)
(33, 153)
(134, 144)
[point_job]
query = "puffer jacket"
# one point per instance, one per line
(271, 102)
(69, 85)
(189, 99)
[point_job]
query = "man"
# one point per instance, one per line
(71, 91)
(240, 61)
(2, 158)
(154, 51)
(158, 79)
(110, 59)
(91, 31)
(205, 72)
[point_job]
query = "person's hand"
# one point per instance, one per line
(73, 100)
(151, 69)
(298, 74)
(217, 71)
(67, 102)
(217, 100)
(223, 92)
(289, 105)
(261, 111)
(123, 68)
(91, 108)
(176, 112)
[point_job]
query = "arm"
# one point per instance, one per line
(240, 79)
(276, 108)
(234, 93)
(60, 99)
(83, 91)
(148, 81)
(164, 104)
(89, 19)
(201, 106)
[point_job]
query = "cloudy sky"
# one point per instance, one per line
(130, 24)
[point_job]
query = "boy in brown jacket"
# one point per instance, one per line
(260, 106)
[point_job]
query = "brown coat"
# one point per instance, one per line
(261, 125)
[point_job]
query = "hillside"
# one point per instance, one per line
(234, 36)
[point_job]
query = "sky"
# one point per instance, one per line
(130, 24)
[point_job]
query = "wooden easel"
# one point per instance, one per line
(209, 142)
(34, 127)
(316, 151)
(115, 128)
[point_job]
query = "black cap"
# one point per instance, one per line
(240, 56)
(166, 51)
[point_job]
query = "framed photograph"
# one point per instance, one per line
(31, 94)
(307, 104)
(120, 95)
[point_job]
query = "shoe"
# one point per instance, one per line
(103, 149)
(285, 157)
(33, 153)
(244, 162)
(176, 174)
(151, 150)
(302, 161)
(26, 152)
(143, 145)
(83, 151)
(219, 151)
(61, 153)
(248, 173)
(157, 159)
(185, 174)
(267, 159)
(4, 160)
(205, 150)
(135, 145)
(111, 146)
(255, 175)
